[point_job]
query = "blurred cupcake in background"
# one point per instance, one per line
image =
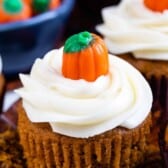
(137, 32)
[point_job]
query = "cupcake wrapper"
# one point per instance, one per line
(163, 134)
(163, 142)
(159, 86)
(116, 148)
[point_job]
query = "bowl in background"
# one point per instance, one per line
(22, 42)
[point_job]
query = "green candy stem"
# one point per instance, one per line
(78, 42)
(41, 5)
(12, 6)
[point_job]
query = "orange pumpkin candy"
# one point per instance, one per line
(14, 10)
(86, 61)
(156, 5)
(52, 3)
(40, 6)
(29, 2)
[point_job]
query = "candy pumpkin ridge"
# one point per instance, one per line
(85, 57)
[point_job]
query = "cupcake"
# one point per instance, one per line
(82, 107)
(137, 32)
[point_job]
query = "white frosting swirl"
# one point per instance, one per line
(132, 27)
(79, 108)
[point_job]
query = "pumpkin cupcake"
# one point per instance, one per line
(137, 32)
(71, 113)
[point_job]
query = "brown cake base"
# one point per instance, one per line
(115, 148)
